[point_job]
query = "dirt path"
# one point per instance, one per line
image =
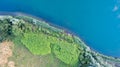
(5, 53)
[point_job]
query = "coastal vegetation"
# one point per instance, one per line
(40, 40)
(38, 44)
(43, 42)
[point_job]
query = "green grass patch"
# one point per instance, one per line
(36, 43)
(40, 44)
(66, 52)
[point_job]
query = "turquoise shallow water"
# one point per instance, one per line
(92, 20)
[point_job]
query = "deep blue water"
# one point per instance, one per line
(93, 20)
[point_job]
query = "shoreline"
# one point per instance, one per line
(81, 50)
(65, 31)
(53, 25)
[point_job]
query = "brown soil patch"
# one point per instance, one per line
(11, 64)
(5, 53)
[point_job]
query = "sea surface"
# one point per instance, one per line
(96, 22)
